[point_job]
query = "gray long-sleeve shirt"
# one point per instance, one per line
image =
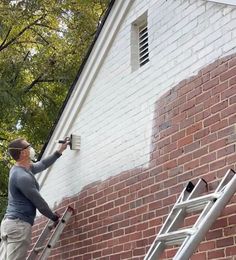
(23, 191)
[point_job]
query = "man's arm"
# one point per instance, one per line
(46, 162)
(27, 186)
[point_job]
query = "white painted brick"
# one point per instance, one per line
(115, 122)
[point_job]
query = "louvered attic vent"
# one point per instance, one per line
(143, 45)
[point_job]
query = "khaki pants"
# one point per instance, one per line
(16, 238)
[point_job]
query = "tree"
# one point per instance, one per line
(42, 44)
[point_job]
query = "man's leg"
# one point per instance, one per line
(18, 238)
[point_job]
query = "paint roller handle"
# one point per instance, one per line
(66, 140)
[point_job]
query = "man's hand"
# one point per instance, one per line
(64, 145)
(56, 218)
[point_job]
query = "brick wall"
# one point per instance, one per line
(194, 134)
(115, 121)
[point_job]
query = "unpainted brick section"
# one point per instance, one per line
(120, 217)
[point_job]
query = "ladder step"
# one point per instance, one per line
(197, 203)
(176, 237)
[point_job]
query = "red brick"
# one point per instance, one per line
(219, 107)
(176, 153)
(211, 120)
(191, 165)
(220, 88)
(170, 253)
(232, 81)
(179, 118)
(170, 165)
(230, 230)
(186, 106)
(194, 128)
(219, 125)
(186, 122)
(226, 151)
(216, 254)
(228, 74)
(163, 143)
(201, 171)
(217, 145)
(209, 139)
(170, 147)
(194, 93)
(184, 159)
(200, 152)
(232, 62)
(232, 100)
(228, 111)
(210, 84)
(226, 132)
(201, 134)
(217, 164)
(225, 242)
(219, 70)
(231, 251)
(214, 234)
(175, 171)
(205, 96)
(232, 220)
(184, 89)
(206, 245)
(126, 255)
(184, 141)
(220, 223)
(169, 201)
(228, 93)
(202, 115)
(211, 102)
(195, 110)
(198, 256)
(162, 159)
(178, 136)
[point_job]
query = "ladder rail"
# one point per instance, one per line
(157, 247)
(209, 215)
(56, 234)
(45, 249)
(39, 243)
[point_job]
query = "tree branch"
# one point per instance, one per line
(49, 27)
(34, 82)
(40, 80)
(48, 43)
(18, 71)
(5, 45)
(5, 37)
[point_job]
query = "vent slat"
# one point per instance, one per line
(143, 45)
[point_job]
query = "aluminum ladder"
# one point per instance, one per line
(190, 201)
(41, 251)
